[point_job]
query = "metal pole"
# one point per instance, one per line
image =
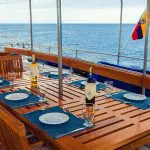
(59, 42)
(76, 53)
(120, 32)
(146, 43)
(31, 27)
(49, 49)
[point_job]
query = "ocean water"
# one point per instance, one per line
(101, 38)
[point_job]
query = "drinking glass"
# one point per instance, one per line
(88, 112)
(41, 91)
(109, 87)
(41, 68)
(71, 72)
(68, 78)
(12, 77)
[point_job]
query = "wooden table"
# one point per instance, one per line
(117, 125)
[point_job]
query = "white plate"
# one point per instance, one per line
(84, 82)
(1, 81)
(54, 118)
(16, 96)
(134, 97)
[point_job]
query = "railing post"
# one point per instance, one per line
(120, 33)
(76, 53)
(49, 48)
(59, 38)
(146, 43)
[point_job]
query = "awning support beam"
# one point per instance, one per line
(31, 26)
(59, 42)
(120, 32)
(146, 43)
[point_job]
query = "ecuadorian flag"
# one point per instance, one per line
(140, 29)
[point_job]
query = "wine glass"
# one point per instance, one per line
(71, 72)
(11, 76)
(68, 78)
(109, 87)
(41, 91)
(41, 68)
(88, 112)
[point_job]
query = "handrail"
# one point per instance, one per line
(77, 51)
(115, 73)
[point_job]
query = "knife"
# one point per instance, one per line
(79, 129)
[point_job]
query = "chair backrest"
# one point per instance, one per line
(4, 53)
(11, 63)
(12, 132)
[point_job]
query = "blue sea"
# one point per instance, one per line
(101, 38)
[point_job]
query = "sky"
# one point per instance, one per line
(73, 11)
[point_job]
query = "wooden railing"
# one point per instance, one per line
(123, 75)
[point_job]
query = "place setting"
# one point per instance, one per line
(81, 84)
(53, 74)
(7, 81)
(58, 122)
(20, 98)
(134, 99)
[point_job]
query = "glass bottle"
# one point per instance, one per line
(90, 88)
(34, 72)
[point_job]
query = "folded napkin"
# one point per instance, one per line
(56, 131)
(78, 83)
(32, 99)
(145, 104)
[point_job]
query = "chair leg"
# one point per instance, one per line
(1, 146)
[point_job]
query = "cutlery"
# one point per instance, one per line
(34, 103)
(117, 93)
(123, 101)
(40, 109)
(43, 101)
(79, 129)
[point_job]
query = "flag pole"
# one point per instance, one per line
(146, 44)
(120, 32)
(59, 43)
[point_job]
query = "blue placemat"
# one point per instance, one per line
(5, 83)
(32, 99)
(53, 76)
(55, 130)
(99, 86)
(139, 104)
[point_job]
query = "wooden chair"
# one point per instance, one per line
(13, 135)
(11, 63)
(4, 53)
(12, 132)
